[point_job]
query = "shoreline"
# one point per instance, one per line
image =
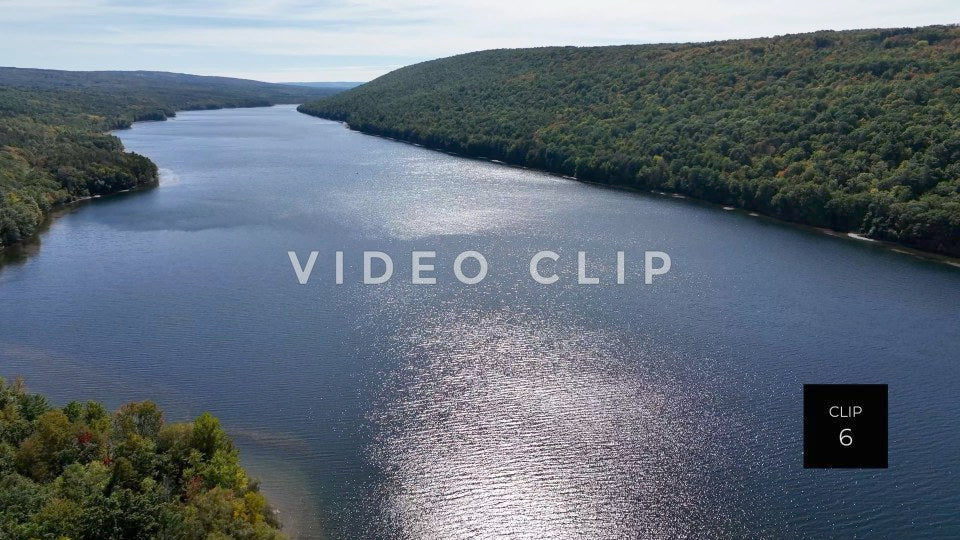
(60, 209)
(851, 236)
(18, 248)
(23, 249)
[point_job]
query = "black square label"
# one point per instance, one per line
(845, 425)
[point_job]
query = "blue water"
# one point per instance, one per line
(506, 408)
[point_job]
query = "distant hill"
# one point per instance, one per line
(147, 93)
(854, 130)
(53, 143)
(343, 85)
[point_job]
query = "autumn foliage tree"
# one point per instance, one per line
(79, 472)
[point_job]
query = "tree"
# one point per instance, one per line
(77, 472)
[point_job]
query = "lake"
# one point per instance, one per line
(505, 408)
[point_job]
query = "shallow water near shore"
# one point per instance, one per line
(507, 408)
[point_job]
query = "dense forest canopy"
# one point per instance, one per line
(53, 142)
(854, 130)
(79, 473)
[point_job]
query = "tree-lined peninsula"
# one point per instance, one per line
(854, 130)
(54, 145)
(79, 472)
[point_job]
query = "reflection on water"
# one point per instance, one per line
(419, 203)
(511, 425)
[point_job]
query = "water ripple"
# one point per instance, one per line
(507, 424)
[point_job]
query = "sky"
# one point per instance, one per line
(346, 40)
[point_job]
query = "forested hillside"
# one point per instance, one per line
(53, 142)
(855, 130)
(80, 472)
